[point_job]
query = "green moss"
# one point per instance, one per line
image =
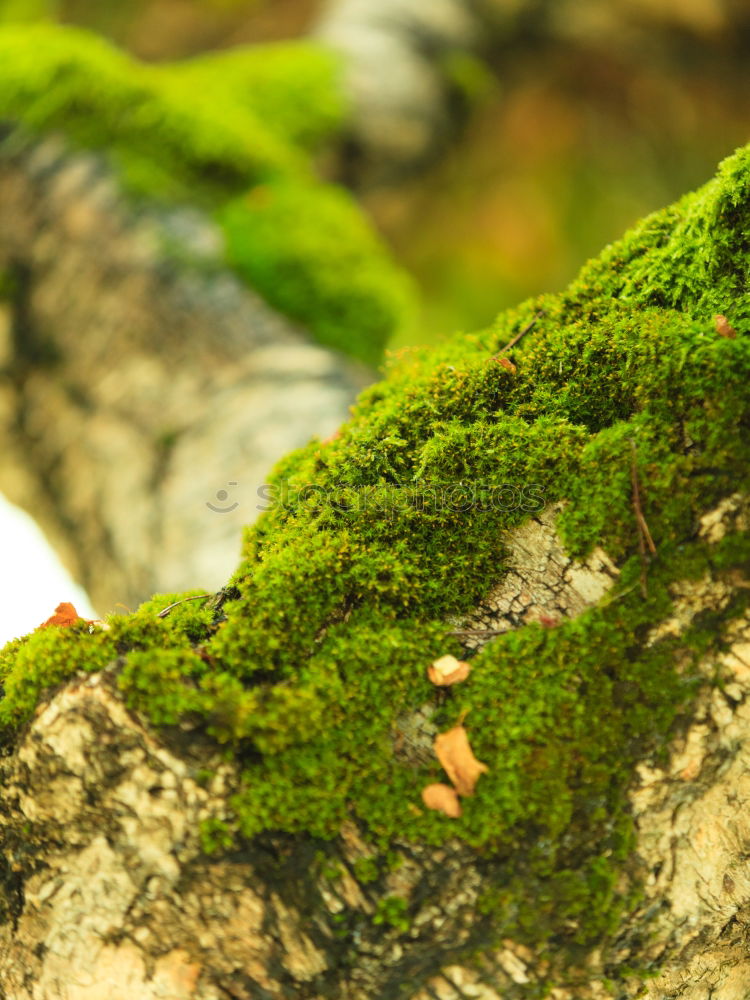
(169, 140)
(294, 241)
(216, 835)
(208, 131)
(188, 619)
(377, 537)
(366, 870)
(691, 256)
(292, 87)
(392, 911)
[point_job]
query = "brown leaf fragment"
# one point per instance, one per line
(724, 327)
(507, 363)
(97, 623)
(65, 614)
(453, 751)
(443, 798)
(448, 670)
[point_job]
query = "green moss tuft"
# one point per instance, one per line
(292, 87)
(392, 911)
(168, 140)
(47, 658)
(295, 242)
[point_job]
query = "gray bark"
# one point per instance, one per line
(139, 378)
(402, 103)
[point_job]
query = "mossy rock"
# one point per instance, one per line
(219, 132)
(347, 588)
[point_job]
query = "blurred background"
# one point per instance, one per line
(576, 126)
(556, 135)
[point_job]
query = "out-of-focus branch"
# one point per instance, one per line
(139, 385)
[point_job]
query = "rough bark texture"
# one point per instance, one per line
(139, 378)
(107, 891)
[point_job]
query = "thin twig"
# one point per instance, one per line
(637, 503)
(478, 631)
(198, 597)
(644, 535)
(620, 594)
(527, 329)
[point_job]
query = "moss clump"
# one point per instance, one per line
(51, 655)
(376, 537)
(296, 240)
(172, 141)
(209, 130)
(392, 911)
(291, 87)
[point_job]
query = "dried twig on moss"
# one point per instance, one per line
(198, 597)
(522, 333)
(477, 631)
(644, 535)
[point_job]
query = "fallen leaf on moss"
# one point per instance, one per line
(507, 363)
(457, 758)
(65, 614)
(724, 327)
(448, 670)
(442, 798)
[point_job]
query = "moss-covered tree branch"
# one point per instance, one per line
(611, 689)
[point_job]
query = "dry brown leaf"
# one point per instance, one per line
(507, 363)
(454, 753)
(724, 327)
(443, 798)
(448, 670)
(65, 614)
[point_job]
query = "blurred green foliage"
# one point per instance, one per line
(19, 11)
(299, 242)
(573, 137)
(193, 132)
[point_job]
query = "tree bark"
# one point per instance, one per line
(107, 891)
(140, 379)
